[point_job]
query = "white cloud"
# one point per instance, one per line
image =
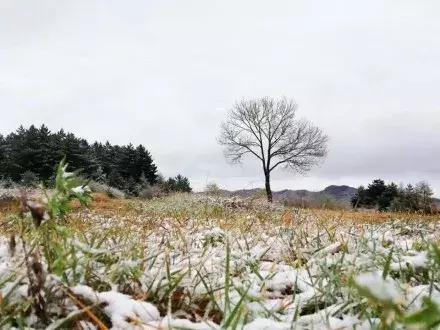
(163, 73)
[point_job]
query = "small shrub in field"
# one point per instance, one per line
(29, 179)
(115, 193)
(212, 189)
(146, 192)
(154, 191)
(106, 189)
(7, 183)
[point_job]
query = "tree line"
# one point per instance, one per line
(31, 154)
(391, 197)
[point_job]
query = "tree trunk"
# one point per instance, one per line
(268, 190)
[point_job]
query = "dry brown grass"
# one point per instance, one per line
(9, 206)
(109, 206)
(106, 205)
(363, 216)
(131, 208)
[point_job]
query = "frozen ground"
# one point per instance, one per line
(209, 263)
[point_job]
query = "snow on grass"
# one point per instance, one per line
(380, 288)
(81, 190)
(197, 263)
(122, 310)
(416, 261)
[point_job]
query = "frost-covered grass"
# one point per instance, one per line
(197, 262)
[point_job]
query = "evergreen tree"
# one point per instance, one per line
(368, 198)
(127, 162)
(22, 149)
(425, 194)
(77, 153)
(385, 199)
(116, 180)
(392, 198)
(48, 156)
(374, 191)
(2, 153)
(179, 184)
(359, 199)
(182, 184)
(34, 152)
(145, 165)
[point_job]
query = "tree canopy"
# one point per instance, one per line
(34, 153)
(390, 197)
(268, 130)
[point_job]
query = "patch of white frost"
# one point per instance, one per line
(122, 310)
(418, 261)
(381, 289)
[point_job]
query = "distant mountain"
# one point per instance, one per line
(342, 194)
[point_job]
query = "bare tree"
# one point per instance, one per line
(268, 130)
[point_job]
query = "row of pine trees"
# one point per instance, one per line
(31, 154)
(391, 197)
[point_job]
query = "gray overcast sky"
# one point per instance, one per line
(163, 73)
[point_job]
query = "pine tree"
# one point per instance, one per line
(2, 155)
(145, 165)
(116, 180)
(425, 193)
(178, 184)
(126, 165)
(47, 156)
(374, 191)
(36, 151)
(388, 195)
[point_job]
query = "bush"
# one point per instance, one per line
(115, 193)
(145, 192)
(158, 191)
(29, 179)
(7, 183)
(106, 189)
(212, 189)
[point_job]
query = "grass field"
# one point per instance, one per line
(199, 262)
